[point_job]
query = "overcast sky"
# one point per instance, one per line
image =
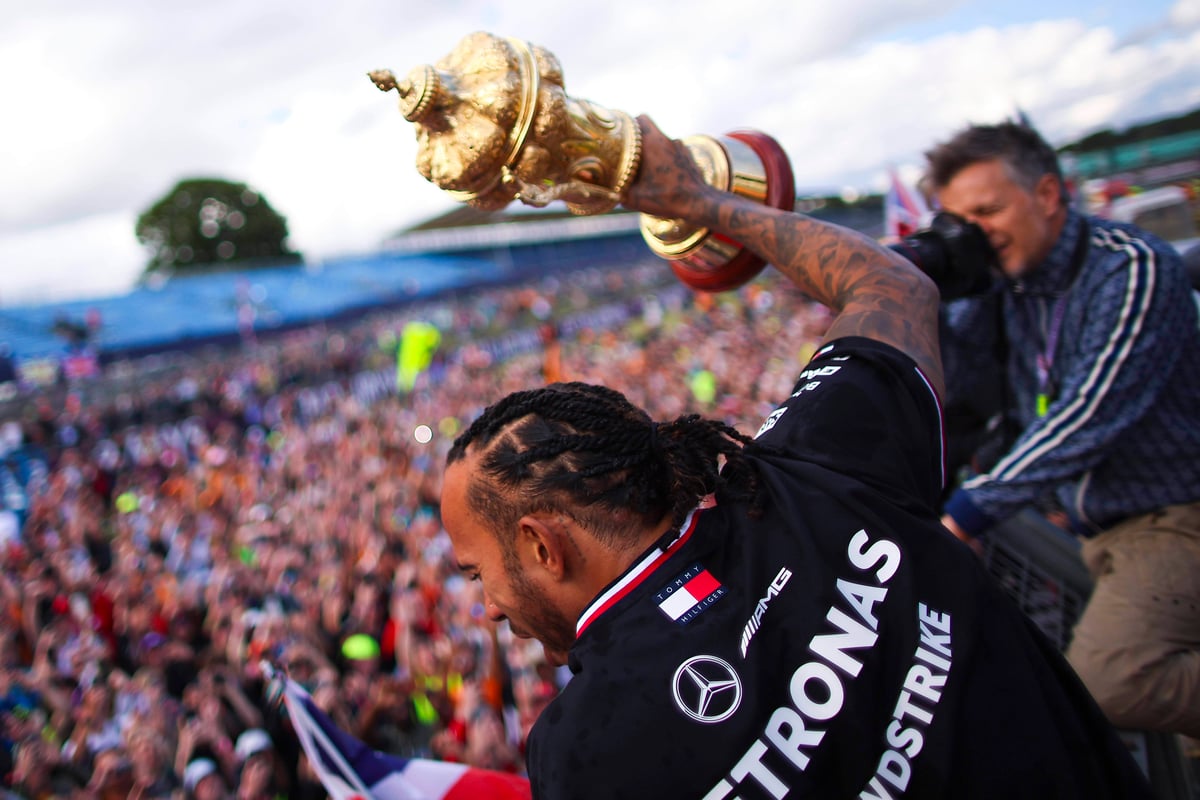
(108, 105)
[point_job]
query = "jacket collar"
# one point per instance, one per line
(1057, 271)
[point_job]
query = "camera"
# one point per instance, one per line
(954, 253)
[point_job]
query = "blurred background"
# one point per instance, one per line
(238, 331)
(108, 109)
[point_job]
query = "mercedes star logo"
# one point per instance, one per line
(707, 689)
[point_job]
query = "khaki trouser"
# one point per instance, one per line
(1137, 645)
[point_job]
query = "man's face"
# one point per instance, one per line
(256, 773)
(211, 787)
(144, 753)
(33, 762)
(510, 590)
(1021, 225)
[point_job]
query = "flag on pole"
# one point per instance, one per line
(904, 211)
(418, 342)
(349, 770)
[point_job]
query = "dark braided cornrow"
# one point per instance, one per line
(587, 451)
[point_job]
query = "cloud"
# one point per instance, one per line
(117, 104)
(93, 257)
(341, 169)
(893, 100)
(1185, 15)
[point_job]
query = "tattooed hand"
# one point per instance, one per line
(669, 183)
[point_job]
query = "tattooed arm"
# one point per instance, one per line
(874, 292)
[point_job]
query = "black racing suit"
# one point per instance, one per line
(839, 644)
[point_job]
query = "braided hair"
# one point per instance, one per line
(586, 451)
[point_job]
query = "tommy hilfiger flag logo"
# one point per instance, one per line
(694, 590)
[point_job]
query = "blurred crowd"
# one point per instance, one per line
(168, 533)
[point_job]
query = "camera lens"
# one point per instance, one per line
(927, 252)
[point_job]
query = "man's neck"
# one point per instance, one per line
(612, 563)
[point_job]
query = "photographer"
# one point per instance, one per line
(1096, 371)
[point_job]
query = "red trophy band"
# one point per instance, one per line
(747, 163)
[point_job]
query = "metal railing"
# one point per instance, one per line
(1039, 565)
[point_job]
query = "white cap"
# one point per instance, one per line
(11, 436)
(251, 743)
(197, 771)
(10, 529)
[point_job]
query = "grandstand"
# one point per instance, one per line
(463, 249)
(212, 308)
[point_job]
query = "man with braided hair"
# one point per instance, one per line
(782, 616)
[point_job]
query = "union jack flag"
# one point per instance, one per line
(904, 211)
(349, 770)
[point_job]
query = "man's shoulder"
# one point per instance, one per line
(1126, 263)
(1124, 239)
(864, 410)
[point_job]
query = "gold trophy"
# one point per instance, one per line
(494, 124)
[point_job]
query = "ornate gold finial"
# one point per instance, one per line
(418, 91)
(383, 78)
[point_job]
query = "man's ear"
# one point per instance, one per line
(1048, 193)
(542, 542)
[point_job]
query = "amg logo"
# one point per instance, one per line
(770, 421)
(755, 621)
(817, 372)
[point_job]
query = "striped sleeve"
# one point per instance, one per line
(1115, 360)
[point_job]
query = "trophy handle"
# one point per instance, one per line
(747, 163)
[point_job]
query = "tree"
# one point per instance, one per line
(207, 221)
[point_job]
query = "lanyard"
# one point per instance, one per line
(1045, 359)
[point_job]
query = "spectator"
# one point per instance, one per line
(95, 728)
(152, 773)
(261, 776)
(203, 781)
(39, 773)
(112, 775)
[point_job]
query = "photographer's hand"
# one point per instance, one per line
(956, 530)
